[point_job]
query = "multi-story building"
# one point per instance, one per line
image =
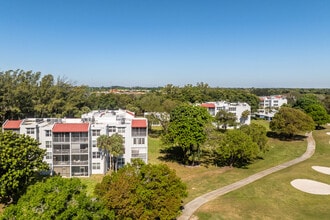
(71, 144)
(269, 105)
(272, 102)
(235, 108)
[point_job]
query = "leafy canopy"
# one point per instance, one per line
(314, 108)
(236, 149)
(186, 129)
(57, 198)
(142, 191)
(20, 161)
(290, 121)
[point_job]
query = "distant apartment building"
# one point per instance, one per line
(272, 102)
(268, 106)
(235, 108)
(71, 143)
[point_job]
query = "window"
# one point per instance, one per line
(48, 144)
(30, 130)
(48, 155)
(79, 137)
(138, 141)
(112, 129)
(61, 137)
(232, 109)
(94, 143)
(96, 132)
(121, 130)
(97, 154)
(96, 166)
(139, 131)
(48, 133)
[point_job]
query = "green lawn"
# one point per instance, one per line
(91, 182)
(273, 197)
(200, 179)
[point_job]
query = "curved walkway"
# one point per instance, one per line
(192, 206)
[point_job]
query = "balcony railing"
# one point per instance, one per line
(78, 151)
(61, 151)
(79, 139)
(79, 173)
(61, 139)
(80, 162)
(142, 156)
(61, 162)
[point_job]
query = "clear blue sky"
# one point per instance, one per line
(225, 43)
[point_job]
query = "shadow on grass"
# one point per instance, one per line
(285, 137)
(171, 154)
(155, 133)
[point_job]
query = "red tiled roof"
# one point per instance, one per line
(208, 105)
(12, 124)
(139, 123)
(71, 127)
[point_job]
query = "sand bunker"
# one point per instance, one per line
(311, 186)
(324, 170)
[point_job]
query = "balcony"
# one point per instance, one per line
(78, 151)
(61, 139)
(61, 151)
(61, 162)
(79, 139)
(80, 162)
(79, 173)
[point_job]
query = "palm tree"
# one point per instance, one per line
(117, 148)
(244, 116)
(113, 146)
(224, 118)
(104, 142)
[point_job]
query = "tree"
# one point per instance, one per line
(290, 121)
(112, 146)
(306, 100)
(257, 133)
(236, 149)
(244, 116)
(57, 198)
(314, 108)
(186, 129)
(143, 191)
(117, 148)
(224, 118)
(318, 113)
(20, 161)
(104, 143)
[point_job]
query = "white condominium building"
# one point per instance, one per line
(71, 143)
(236, 108)
(270, 102)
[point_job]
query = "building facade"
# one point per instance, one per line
(236, 108)
(268, 106)
(272, 102)
(71, 143)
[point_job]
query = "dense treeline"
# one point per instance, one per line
(31, 94)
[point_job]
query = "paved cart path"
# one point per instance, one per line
(192, 206)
